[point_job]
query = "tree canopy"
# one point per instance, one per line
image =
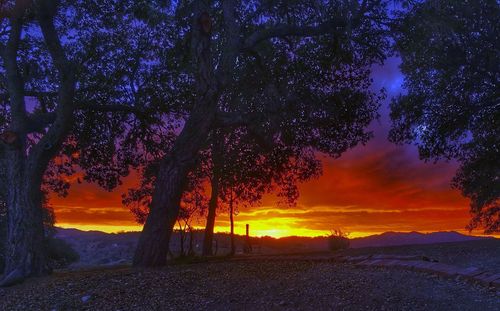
(450, 53)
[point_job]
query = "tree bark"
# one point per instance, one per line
(26, 165)
(217, 149)
(25, 246)
(212, 212)
(170, 182)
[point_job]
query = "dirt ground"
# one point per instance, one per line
(484, 254)
(248, 285)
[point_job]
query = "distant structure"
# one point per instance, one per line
(247, 248)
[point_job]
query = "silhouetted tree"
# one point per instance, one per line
(194, 202)
(31, 140)
(46, 84)
(450, 58)
(193, 205)
(292, 73)
(248, 172)
(243, 171)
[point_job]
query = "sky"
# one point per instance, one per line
(371, 189)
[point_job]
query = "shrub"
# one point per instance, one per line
(61, 253)
(338, 240)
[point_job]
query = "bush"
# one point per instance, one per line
(61, 253)
(338, 240)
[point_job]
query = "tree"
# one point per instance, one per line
(450, 59)
(245, 172)
(193, 202)
(294, 73)
(47, 84)
(30, 144)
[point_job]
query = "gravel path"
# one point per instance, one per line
(248, 285)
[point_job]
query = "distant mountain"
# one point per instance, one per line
(98, 248)
(411, 238)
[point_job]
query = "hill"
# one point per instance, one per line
(99, 248)
(411, 238)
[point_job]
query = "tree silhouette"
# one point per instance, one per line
(62, 105)
(451, 110)
(31, 140)
(291, 73)
(245, 172)
(193, 204)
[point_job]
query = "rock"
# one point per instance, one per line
(86, 298)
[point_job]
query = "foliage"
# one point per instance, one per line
(450, 58)
(61, 253)
(338, 240)
(291, 96)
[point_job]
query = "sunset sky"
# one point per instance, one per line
(370, 189)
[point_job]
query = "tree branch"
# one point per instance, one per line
(113, 108)
(285, 30)
(15, 83)
(49, 144)
(231, 47)
(233, 119)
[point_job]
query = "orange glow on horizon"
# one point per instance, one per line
(358, 195)
(370, 189)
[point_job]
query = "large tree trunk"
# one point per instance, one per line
(25, 246)
(25, 252)
(174, 169)
(170, 183)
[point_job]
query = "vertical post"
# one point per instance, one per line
(248, 246)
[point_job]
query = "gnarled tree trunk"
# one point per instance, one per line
(25, 246)
(26, 165)
(169, 186)
(171, 179)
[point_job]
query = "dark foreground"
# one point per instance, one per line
(250, 285)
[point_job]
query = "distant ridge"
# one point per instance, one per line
(99, 248)
(389, 238)
(411, 238)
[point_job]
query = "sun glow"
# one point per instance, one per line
(276, 228)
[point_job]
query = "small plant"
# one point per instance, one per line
(338, 240)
